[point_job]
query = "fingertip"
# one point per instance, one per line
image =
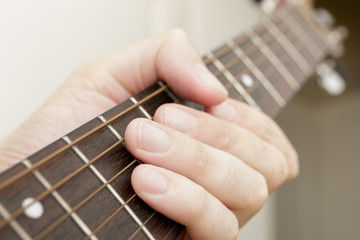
(196, 83)
(209, 83)
(132, 133)
(225, 111)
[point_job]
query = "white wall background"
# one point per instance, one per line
(43, 41)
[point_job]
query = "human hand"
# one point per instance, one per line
(209, 171)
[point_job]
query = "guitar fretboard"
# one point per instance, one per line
(79, 186)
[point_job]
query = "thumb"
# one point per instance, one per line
(171, 57)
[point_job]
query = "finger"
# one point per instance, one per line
(239, 141)
(262, 125)
(234, 183)
(171, 57)
(185, 202)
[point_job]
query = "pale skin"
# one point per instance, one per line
(210, 171)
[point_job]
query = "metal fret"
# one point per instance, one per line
(301, 33)
(289, 47)
(141, 108)
(289, 78)
(169, 93)
(273, 92)
(143, 225)
(14, 224)
(109, 187)
(232, 80)
(111, 128)
(60, 200)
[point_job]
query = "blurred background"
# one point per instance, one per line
(42, 42)
(323, 202)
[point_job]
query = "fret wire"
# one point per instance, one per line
(111, 128)
(225, 50)
(98, 228)
(139, 229)
(233, 81)
(228, 65)
(291, 50)
(288, 77)
(127, 208)
(115, 194)
(305, 32)
(70, 176)
(141, 108)
(76, 141)
(247, 61)
(292, 24)
(4, 185)
(82, 203)
(300, 46)
(60, 183)
(60, 200)
(169, 93)
(306, 24)
(234, 61)
(67, 178)
(14, 224)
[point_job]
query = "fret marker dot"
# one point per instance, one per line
(34, 211)
(247, 80)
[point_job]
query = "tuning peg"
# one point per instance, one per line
(330, 79)
(269, 6)
(324, 18)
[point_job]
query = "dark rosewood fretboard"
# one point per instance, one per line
(79, 186)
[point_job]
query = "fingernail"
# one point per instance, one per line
(179, 120)
(224, 111)
(153, 182)
(152, 138)
(207, 79)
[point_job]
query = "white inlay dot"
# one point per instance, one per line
(34, 211)
(247, 80)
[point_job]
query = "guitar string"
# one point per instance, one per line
(82, 203)
(57, 185)
(53, 226)
(108, 121)
(16, 177)
(110, 217)
(103, 224)
(143, 225)
(19, 211)
(67, 178)
(238, 40)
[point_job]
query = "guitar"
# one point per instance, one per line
(79, 186)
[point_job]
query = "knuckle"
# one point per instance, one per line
(279, 170)
(282, 168)
(266, 126)
(260, 193)
(225, 138)
(201, 161)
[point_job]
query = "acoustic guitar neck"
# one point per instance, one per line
(79, 186)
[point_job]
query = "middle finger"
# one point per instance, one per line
(240, 187)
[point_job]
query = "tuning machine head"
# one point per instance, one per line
(330, 78)
(335, 36)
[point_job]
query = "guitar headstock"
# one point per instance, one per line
(324, 24)
(332, 38)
